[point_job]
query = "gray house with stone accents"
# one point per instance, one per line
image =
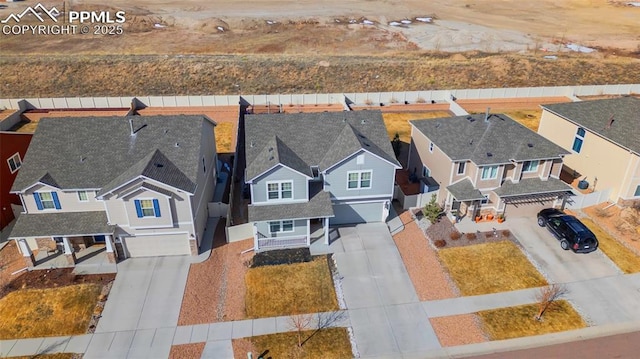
(308, 171)
(487, 164)
(137, 185)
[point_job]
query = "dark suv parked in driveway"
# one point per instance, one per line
(571, 233)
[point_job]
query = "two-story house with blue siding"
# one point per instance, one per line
(140, 185)
(309, 171)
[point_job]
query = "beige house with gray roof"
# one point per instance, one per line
(486, 164)
(603, 137)
(138, 185)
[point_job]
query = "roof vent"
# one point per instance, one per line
(251, 144)
(489, 154)
(159, 165)
(437, 124)
(166, 131)
(610, 122)
(530, 145)
(270, 149)
(177, 144)
(471, 142)
(82, 159)
(363, 121)
(486, 115)
(271, 158)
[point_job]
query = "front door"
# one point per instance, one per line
(99, 239)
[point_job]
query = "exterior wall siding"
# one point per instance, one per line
(165, 219)
(556, 168)
(382, 178)
(491, 183)
(12, 143)
(69, 201)
(632, 182)
(299, 229)
(597, 158)
(280, 173)
(439, 163)
(206, 184)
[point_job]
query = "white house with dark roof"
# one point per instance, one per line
(603, 137)
(486, 164)
(140, 185)
(309, 171)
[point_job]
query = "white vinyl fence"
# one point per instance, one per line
(580, 200)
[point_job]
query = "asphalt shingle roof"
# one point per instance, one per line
(313, 139)
(59, 224)
(464, 191)
(99, 152)
(595, 116)
(319, 206)
(529, 186)
(495, 141)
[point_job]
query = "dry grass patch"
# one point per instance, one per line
(399, 122)
(516, 322)
(32, 313)
(50, 356)
(490, 268)
(331, 343)
(290, 289)
(622, 256)
(224, 133)
(528, 118)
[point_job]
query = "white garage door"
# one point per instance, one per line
(357, 213)
(162, 245)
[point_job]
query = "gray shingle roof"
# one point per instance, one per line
(313, 139)
(59, 224)
(595, 116)
(96, 152)
(464, 191)
(529, 186)
(319, 206)
(498, 140)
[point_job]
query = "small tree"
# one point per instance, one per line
(432, 210)
(395, 143)
(547, 297)
(300, 323)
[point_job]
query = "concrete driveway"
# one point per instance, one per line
(146, 294)
(558, 265)
(387, 318)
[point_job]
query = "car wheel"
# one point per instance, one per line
(564, 244)
(541, 222)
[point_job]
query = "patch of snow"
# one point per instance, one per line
(271, 22)
(220, 28)
(352, 21)
(424, 19)
(578, 48)
(159, 26)
(395, 23)
(406, 21)
(367, 22)
(551, 57)
(634, 3)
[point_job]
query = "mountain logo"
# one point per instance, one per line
(39, 11)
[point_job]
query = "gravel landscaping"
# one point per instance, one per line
(186, 351)
(215, 288)
(432, 281)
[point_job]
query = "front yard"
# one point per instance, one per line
(332, 343)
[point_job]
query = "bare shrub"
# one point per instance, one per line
(488, 235)
(471, 236)
(547, 297)
(439, 243)
(506, 233)
(602, 213)
(455, 235)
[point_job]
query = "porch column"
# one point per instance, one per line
(68, 251)
(308, 232)
(111, 252)
(326, 230)
(27, 254)
(255, 237)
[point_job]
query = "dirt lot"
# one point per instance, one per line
(265, 46)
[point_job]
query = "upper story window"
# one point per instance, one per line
(426, 172)
(578, 140)
(279, 190)
(47, 200)
(489, 172)
(431, 147)
(461, 167)
(530, 166)
(359, 179)
(147, 208)
(315, 172)
(14, 162)
(637, 193)
(82, 196)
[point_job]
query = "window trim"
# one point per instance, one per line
(155, 207)
(359, 179)
(464, 168)
(491, 177)
(426, 171)
(17, 165)
(280, 228)
(40, 203)
(578, 137)
(279, 190)
(86, 194)
(537, 162)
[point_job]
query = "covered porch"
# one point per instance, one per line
(291, 225)
(64, 239)
(528, 196)
(463, 200)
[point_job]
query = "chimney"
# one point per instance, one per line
(486, 115)
(131, 126)
(610, 122)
